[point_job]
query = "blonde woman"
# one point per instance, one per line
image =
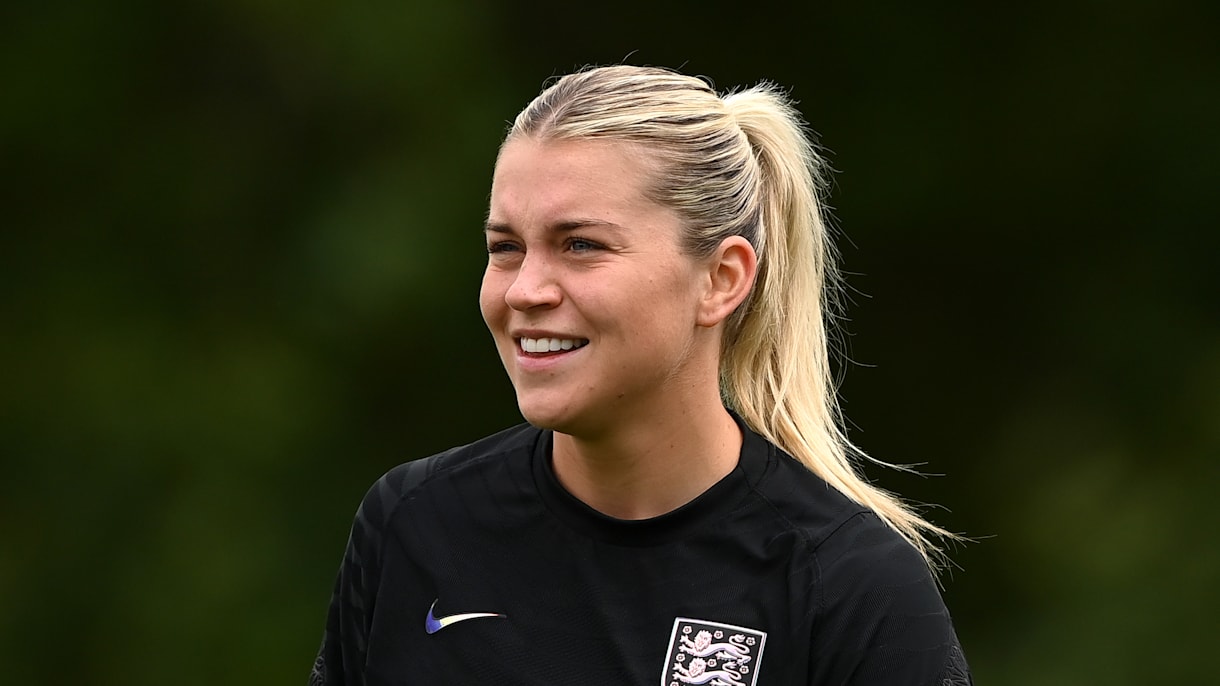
(681, 507)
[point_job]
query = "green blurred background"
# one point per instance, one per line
(242, 249)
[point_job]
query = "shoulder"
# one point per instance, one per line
(385, 495)
(879, 614)
(864, 556)
(848, 548)
(830, 527)
(345, 642)
(875, 609)
(804, 506)
(851, 549)
(417, 473)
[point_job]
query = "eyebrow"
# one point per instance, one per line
(557, 227)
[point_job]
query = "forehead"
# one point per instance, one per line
(550, 177)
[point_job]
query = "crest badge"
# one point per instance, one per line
(702, 652)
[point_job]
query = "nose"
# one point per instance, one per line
(534, 285)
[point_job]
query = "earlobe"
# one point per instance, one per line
(731, 272)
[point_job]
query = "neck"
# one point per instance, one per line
(653, 466)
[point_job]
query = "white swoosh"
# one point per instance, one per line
(434, 624)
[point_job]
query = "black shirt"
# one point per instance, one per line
(769, 577)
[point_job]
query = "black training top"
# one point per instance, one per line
(475, 566)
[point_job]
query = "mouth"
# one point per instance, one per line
(541, 346)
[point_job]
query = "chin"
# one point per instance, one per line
(542, 416)
(557, 415)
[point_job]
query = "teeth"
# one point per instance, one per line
(543, 345)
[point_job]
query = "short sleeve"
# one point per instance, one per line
(341, 658)
(880, 619)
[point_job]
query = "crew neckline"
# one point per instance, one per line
(708, 507)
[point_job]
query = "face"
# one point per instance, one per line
(587, 293)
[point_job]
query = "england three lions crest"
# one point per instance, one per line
(702, 652)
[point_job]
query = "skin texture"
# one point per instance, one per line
(576, 251)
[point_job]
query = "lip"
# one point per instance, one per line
(518, 334)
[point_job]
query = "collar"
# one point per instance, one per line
(756, 458)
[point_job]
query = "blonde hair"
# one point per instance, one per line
(742, 165)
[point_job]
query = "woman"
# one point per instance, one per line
(681, 506)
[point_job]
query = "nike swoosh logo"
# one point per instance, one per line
(434, 624)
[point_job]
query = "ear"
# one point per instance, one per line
(731, 270)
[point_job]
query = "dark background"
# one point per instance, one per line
(242, 249)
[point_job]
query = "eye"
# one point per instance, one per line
(501, 247)
(582, 245)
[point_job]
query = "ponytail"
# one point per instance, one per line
(775, 368)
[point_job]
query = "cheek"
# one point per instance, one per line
(491, 298)
(679, 291)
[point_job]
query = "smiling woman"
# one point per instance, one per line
(578, 253)
(681, 505)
